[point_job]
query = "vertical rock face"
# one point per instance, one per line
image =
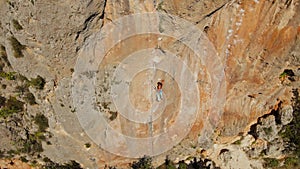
(52, 32)
(255, 40)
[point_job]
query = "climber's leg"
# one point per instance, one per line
(161, 94)
(158, 96)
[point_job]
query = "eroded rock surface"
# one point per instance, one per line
(255, 40)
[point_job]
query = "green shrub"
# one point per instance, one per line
(21, 89)
(12, 152)
(29, 98)
(17, 47)
(8, 75)
(2, 101)
(14, 104)
(22, 78)
(238, 142)
(38, 82)
(160, 6)
(31, 145)
(268, 130)
(287, 73)
(283, 75)
(17, 25)
(292, 162)
(169, 164)
(42, 122)
(291, 132)
(23, 159)
(11, 106)
(4, 112)
(40, 136)
(182, 165)
(143, 163)
(46, 159)
(70, 165)
(271, 162)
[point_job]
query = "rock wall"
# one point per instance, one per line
(257, 40)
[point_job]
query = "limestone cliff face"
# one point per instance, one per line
(256, 41)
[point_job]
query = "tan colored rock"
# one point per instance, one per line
(256, 39)
(14, 164)
(286, 114)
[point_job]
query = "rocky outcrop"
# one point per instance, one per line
(257, 41)
(256, 52)
(286, 115)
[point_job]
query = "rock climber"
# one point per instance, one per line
(159, 93)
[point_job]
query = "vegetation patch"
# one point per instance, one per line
(40, 136)
(160, 6)
(17, 25)
(21, 89)
(17, 47)
(4, 112)
(167, 165)
(271, 162)
(23, 159)
(11, 106)
(38, 82)
(29, 98)
(291, 132)
(143, 163)
(287, 74)
(2, 101)
(237, 142)
(31, 145)
(42, 122)
(22, 78)
(292, 162)
(268, 130)
(182, 165)
(14, 104)
(70, 165)
(8, 75)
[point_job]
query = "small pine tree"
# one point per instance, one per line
(143, 163)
